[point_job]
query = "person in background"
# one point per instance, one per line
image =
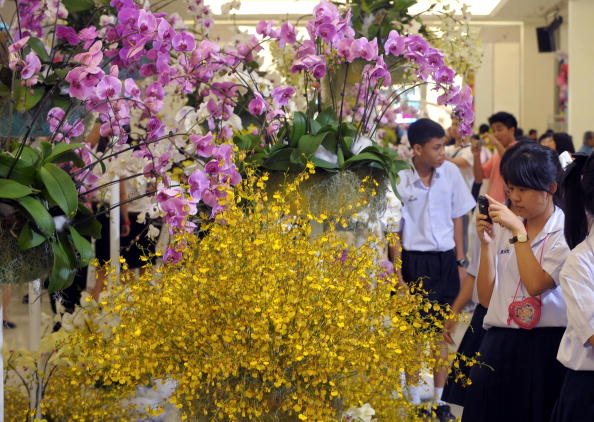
(435, 198)
(588, 145)
(483, 130)
(504, 126)
(559, 142)
(576, 352)
(519, 132)
(533, 134)
(522, 251)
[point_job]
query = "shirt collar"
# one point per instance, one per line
(437, 173)
(554, 224)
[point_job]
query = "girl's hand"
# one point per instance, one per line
(505, 217)
(484, 229)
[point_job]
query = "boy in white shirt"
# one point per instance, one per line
(435, 197)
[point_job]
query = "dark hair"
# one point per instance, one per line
(544, 136)
(564, 143)
(531, 166)
(588, 135)
(423, 130)
(531, 131)
(484, 128)
(578, 197)
(506, 118)
(519, 132)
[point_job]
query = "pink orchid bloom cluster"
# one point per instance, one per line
(138, 41)
(332, 42)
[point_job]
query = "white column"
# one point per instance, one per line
(35, 340)
(114, 231)
(580, 32)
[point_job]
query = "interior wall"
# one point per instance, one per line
(538, 88)
(497, 82)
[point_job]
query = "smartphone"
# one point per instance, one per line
(483, 206)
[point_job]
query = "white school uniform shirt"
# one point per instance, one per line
(577, 283)
(427, 212)
(465, 152)
(554, 254)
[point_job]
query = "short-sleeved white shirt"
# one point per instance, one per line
(554, 254)
(427, 212)
(465, 152)
(577, 283)
(392, 216)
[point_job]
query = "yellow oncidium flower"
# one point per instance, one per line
(259, 321)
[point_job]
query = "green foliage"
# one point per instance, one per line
(385, 15)
(299, 141)
(40, 189)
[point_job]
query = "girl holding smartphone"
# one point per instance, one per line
(522, 252)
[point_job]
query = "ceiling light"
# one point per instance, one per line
(477, 7)
(267, 7)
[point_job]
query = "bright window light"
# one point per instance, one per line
(477, 7)
(267, 7)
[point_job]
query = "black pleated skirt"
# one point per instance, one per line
(519, 379)
(576, 401)
(455, 391)
(438, 272)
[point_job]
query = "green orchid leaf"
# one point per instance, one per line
(246, 142)
(364, 156)
(297, 157)
(37, 46)
(309, 144)
(348, 129)
(281, 161)
(326, 165)
(299, 127)
(340, 156)
(330, 141)
(78, 5)
(29, 155)
(12, 189)
(82, 246)
(46, 149)
(86, 223)
(29, 238)
(26, 98)
(40, 215)
(63, 270)
(22, 172)
(315, 127)
(9, 189)
(59, 149)
(60, 188)
(327, 118)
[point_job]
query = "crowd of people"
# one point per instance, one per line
(497, 220)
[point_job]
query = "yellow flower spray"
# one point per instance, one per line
(259, 321)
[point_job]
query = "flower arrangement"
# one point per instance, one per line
(338, 121)
(77, 59)
(456, 39)
(251, 329)
(43, 378)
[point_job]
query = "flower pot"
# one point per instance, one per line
(336, 194)
(17, 266)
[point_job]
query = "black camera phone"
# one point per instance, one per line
(483, 206)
